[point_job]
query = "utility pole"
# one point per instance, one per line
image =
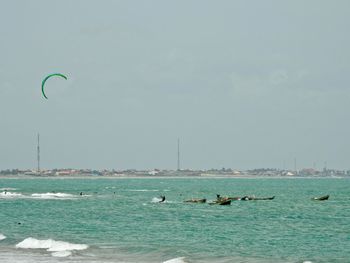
(38, 153)
(178, 154)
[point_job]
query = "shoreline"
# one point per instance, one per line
(169, 177)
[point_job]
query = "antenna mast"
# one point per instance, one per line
(38, 153)
(178, 154)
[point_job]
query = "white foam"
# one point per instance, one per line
(61, 254)
(176, 260)
(156, 200)
(2, 237)
(6, 194)
(50, 245)
(52, 196)
(7, 189)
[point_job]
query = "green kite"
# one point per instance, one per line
(45, 79)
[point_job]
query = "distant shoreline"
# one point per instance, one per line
(168, 177)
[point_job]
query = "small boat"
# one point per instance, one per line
(225, 198)
(321, 198)
(196, 200)
(224, 202)
(221, 202)
(253, 198)
(236, 198)
(265, 198)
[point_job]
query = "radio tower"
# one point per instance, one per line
(178, 154)
(38, 153)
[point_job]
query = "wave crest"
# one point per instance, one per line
(52, 195)
(50, 245)
(6, 194)
(176, 260)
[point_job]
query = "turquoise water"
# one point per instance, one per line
(119, 220)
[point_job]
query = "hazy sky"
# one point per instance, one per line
(243, 84)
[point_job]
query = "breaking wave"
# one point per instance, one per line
(176, 260)
(61, 254)
(6, 194)
(9, 195)
(2, 237)
(59, 248)
(53, 196)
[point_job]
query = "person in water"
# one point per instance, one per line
(219, 198)
(162, 199)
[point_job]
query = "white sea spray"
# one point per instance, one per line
(59, 248)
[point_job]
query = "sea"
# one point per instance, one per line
(94, 220)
